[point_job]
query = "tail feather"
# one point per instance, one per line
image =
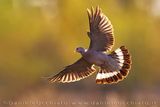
(126, 61)
(123, 59)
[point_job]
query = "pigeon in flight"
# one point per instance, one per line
(112, 67)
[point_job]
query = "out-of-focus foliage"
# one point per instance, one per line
(38, 38)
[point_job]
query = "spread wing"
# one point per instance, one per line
(75, 72)
(101, 31)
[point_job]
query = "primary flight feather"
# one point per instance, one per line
(113, 67)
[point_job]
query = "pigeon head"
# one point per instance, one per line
(80, 50)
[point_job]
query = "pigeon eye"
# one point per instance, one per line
(77, 49)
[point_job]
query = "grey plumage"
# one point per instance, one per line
(114, 67)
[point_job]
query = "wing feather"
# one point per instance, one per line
(75, 72)
(101, 30)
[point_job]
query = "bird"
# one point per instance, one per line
(111, 66)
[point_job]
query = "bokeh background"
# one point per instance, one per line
(38, 38)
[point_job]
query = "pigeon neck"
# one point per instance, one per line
(83, 52)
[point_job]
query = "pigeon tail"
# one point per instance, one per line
(123, 61)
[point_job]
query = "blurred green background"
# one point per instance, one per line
(38, 38)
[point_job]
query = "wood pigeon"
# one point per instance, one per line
(113, 67)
